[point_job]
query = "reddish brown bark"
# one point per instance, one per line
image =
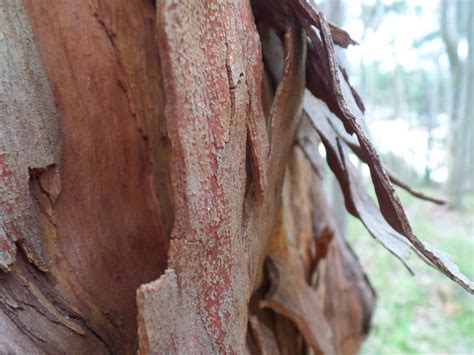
(153, 197)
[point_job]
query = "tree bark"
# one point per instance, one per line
(139, 137)
(159, 185)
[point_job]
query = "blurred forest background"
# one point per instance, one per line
(414, 68)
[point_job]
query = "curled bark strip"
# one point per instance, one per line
(307, 152)
(293, 298)
(258, 145)
(368, 213)
(432, 256)
(306, 11)
(389, 203)
(337, 94)
(313, 111)
(290, 89)
(349, 113)
(365, 208)
(263, 337)
(275, 13)
(356, 95)
(396, 181)
(356, 149)
(338, 278)
(257, 130)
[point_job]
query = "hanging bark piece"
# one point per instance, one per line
(354, 145)
(338, 278)
(307, 14)
(433, 257)
(263, 337)
(293, 298)
(365, 209)
(347, 110)
(341, 288)
(346, 294)
(309, 143)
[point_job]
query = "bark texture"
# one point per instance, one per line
(159, 180)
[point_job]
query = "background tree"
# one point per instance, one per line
(455, 22)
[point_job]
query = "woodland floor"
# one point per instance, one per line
(427, 313)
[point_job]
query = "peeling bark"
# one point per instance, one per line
(160, 177)
(25, 143)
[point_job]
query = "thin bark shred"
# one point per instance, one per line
(344, 106)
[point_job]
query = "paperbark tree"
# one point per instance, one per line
(167, 141)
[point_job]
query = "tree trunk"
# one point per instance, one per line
(468, 118)
(159, 186)
(138, 137)
(452, 14)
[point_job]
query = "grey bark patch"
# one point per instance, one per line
(28, 133)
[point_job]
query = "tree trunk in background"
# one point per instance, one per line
(145, 141)
(468, 129)
(452, 13)
(431, 97)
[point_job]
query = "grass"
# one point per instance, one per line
(426, 313)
